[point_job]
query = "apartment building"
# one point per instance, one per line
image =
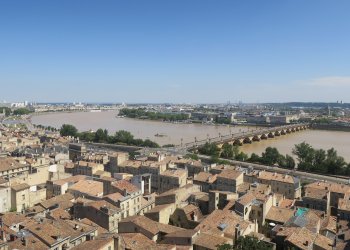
(318, 199)
(9, 167)
(87, 168)
(336, 190)
(58, 187)
(287, 185)
(172, 178)
(101, 212)
(205, 180)
(254, 206)
(229, 180)
(125, 196)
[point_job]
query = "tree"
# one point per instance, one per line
(251, 243)
(247, 242)
(235, 149)
(290, 163)
(254, 158)
(210, 149)
(68, 130)
(101, 135)
(124, 137)
(86, 136)
(335, 164)
(305, 154)
(21, 111)
(150, 144)
(319, 161)
(241, 156)
(270, 156)
(6, 109)
(227, 150)
(192, 156)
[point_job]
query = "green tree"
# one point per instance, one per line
(335, 164)
(319, 161)
(150, 144)
(305, 154)
(254, 158)
(21, 111)
(210, 149)
(192, 156)
(241, 156)
(68, 130)
(86, 136)
(270, 156)
(124, 137)
(290, 162)
(7, 110)
(247, 242)
(227, 150)
(101, 135)
(235, 149)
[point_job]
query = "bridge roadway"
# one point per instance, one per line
(245, 137)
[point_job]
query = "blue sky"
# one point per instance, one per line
(175, 51)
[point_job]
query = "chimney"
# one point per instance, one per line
(237, 232)
(3, 236)
(24, 241)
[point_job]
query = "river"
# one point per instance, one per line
(173, 133)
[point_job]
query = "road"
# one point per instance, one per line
(302, 175)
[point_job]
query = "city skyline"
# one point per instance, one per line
(177, 52)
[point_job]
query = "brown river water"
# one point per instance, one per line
(173, 133)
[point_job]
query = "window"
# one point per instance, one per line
(23, 197)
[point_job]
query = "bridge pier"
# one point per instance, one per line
(264, 136)
(257, 138)
(238, 142)
(248, 140)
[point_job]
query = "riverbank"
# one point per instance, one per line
(330, 127)
(186, 133)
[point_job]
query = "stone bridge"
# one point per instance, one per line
(246, 137)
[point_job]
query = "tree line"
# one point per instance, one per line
(309, 159)
(247, 242)
(320, 161)
(102, 136)
(142, 113)
(48, 128)
(20, 111)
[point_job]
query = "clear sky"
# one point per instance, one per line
(175, 50)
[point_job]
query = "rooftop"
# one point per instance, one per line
(280, 215)
(9, 164)
(230, 174)
(125, 185)
(89, 187)
(331, 186)
(175, 173)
